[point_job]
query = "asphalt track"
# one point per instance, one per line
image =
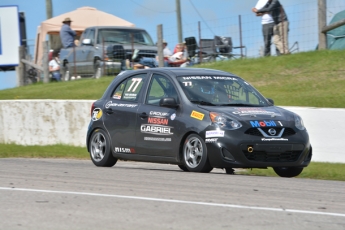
(74, 194)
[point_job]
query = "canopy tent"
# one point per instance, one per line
(336, 37)
(81, 19)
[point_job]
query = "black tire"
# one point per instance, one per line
(66, 75)
(184, 168)
(98, 70)
(287, 172)
(195, 155)
(100, 149)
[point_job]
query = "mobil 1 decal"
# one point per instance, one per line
(265, 123)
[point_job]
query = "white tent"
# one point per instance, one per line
(81, 19)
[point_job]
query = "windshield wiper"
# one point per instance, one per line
(203, 103)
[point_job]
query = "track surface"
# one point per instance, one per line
(74, 194)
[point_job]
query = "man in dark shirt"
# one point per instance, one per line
(67, 35)
(281, 27)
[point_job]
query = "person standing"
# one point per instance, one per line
(67, 35)
(166, 51)
(281, 27)
(267, 27)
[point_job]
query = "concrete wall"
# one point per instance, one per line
(48, 122)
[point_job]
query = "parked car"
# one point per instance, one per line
(104, 49)
(198, 119)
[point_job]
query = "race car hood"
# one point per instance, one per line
(253, 113)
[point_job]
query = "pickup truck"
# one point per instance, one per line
(104, 50)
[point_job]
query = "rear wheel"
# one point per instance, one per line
(195, 155)
(100, 149)
(287, 171)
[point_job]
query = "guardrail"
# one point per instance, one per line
(49, 122)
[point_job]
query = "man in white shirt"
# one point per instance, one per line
(267, 27)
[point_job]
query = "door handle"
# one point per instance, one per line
(143, 115)
(109, 111)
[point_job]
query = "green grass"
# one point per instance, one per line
(315, 170)
(48, 151)
(313, 79)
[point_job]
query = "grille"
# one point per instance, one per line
(262, 156)
(256, 132)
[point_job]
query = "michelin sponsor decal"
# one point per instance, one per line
(111, 104)
(157, 139)
(156, 129)
(214, 133)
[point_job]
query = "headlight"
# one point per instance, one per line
(299, 122)
(220, 120)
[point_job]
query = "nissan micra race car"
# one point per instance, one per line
(198, 119)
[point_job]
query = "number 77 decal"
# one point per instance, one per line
(135, 83)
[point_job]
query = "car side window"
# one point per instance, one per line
(130, 88)
(160, 87)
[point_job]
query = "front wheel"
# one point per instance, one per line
(287, 172)
(100, 149)
(184, 168)
(195, 155)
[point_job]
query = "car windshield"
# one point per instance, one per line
(220, 91)
(124, 36)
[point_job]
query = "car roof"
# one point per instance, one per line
(178, 71)
(114, 27)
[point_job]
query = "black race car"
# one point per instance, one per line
(198, 119)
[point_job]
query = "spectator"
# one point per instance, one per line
(166, 51)
(179, 53)
(267, 27)
(281, 27)
(67, 35)
(54, 66)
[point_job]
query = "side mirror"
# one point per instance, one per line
(169, 102)
(270, 100)
(87, 41)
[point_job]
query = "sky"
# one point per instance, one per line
(216, 17)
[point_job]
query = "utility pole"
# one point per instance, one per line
(179, 24)
(49, 9)
(322, 4)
